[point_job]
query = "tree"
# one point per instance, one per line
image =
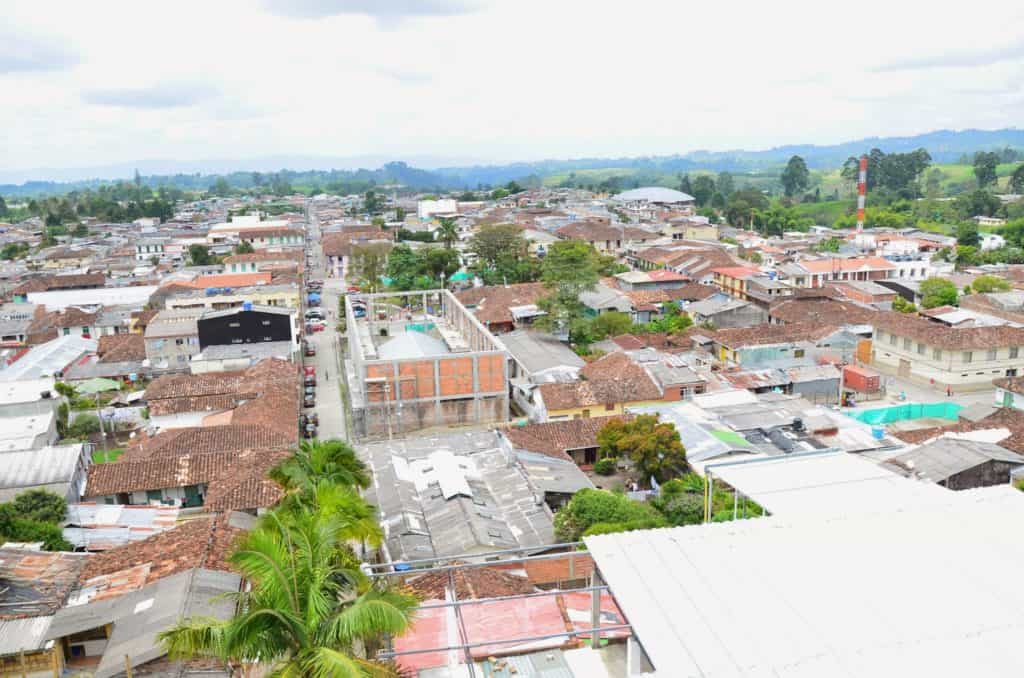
(653, 447)
(796, 177)
(1016, 184)
(967, 234)
(317, 461)
(984, 284)
(937, 292)
(985, 163)
(570, 268)
(611, 324)
(221, 187)
(372, 203)
(743, 205)
(3, 207)
(447, 231)
(725, 184)
(703, 189)
(439, 261)
(308, 610)
(502, 255)
(589, 508)
(369, 262)
(154, 260)
(41, 505)
(65, 389)
(199, 255)
(685, 186)
(244, 247)
(901, 305)
(976, 203)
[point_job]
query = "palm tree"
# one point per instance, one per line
(447, 231)
(309, 611)
(321, 461)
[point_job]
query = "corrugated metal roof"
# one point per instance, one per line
(23, 635)
(866, 608)
(45, 466)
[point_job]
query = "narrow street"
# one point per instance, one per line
(329, 404)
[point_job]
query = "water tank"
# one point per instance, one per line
(246, 305)
(878, 432)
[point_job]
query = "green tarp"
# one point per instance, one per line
(887, 415)
(97, 385)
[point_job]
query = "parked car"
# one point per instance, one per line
(359, 312)
(309, 431)
(310, 350)
(316, 327)
(315, 314)
(309, 370)
(309, 380)
(353, 288)
(310, 391)
(314, 419)
(309, 401)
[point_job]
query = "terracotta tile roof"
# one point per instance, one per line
(250, 257)
(939, 335)
(492, 302)
(208, 439)
(694, 262)
(553, 438)
(555, 570)
(61, 282)
(613, 378)
(203, 282)
(234, 480)
(821, 310)
(693, 292)
(1004, 417)
(470, 584)
(204, 541)
(339, 243)
(250, 233)
(762, 335)
(595, 231)
(212, 391)
(36, 583)
(737, 272)
(276, 411)
(1012, 384)
(116, 348)
(73, 316)
(854, 264)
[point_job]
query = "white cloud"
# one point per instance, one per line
(489, 79)
(22, 52)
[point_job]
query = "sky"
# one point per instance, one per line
(434, 82)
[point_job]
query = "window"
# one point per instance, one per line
(234, 324)
(154, 495)
(1013, 351)
(266, 323)
(937, 354)
(892, 339)
(67, 331)
(993, 353)
(179, 342)
(920, 348)
(798, 353)
(906, 344)
(968, 356)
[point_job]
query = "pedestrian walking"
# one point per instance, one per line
(949, 391)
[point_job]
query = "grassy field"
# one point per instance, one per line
(826, 211)
(103, 456)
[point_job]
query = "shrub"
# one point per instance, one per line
(685, 509)
(628, 526)
(83, 426)
(606, 466)
(589, 507)
(40, 505)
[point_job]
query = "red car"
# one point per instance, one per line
(317, 327)
(353, 288)
(309, 371)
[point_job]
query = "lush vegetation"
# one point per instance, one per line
(652, 446)
(309, 610)
(35, 515)
(937, 292)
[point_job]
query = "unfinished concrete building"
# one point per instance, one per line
(420, 360)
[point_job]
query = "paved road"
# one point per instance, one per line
(329, 405)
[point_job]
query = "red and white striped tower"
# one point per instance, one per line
(862, 191)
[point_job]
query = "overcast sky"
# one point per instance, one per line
(88, 84)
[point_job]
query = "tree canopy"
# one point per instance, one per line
(795, 177)
(653, 447)
(937, 292)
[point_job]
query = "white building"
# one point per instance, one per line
(992, 241)
(428, 209)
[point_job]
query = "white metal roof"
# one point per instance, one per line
(47, 359)
(926, 591)
(654, 194)
(832, 483)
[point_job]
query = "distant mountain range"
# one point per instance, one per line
(435, 173)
